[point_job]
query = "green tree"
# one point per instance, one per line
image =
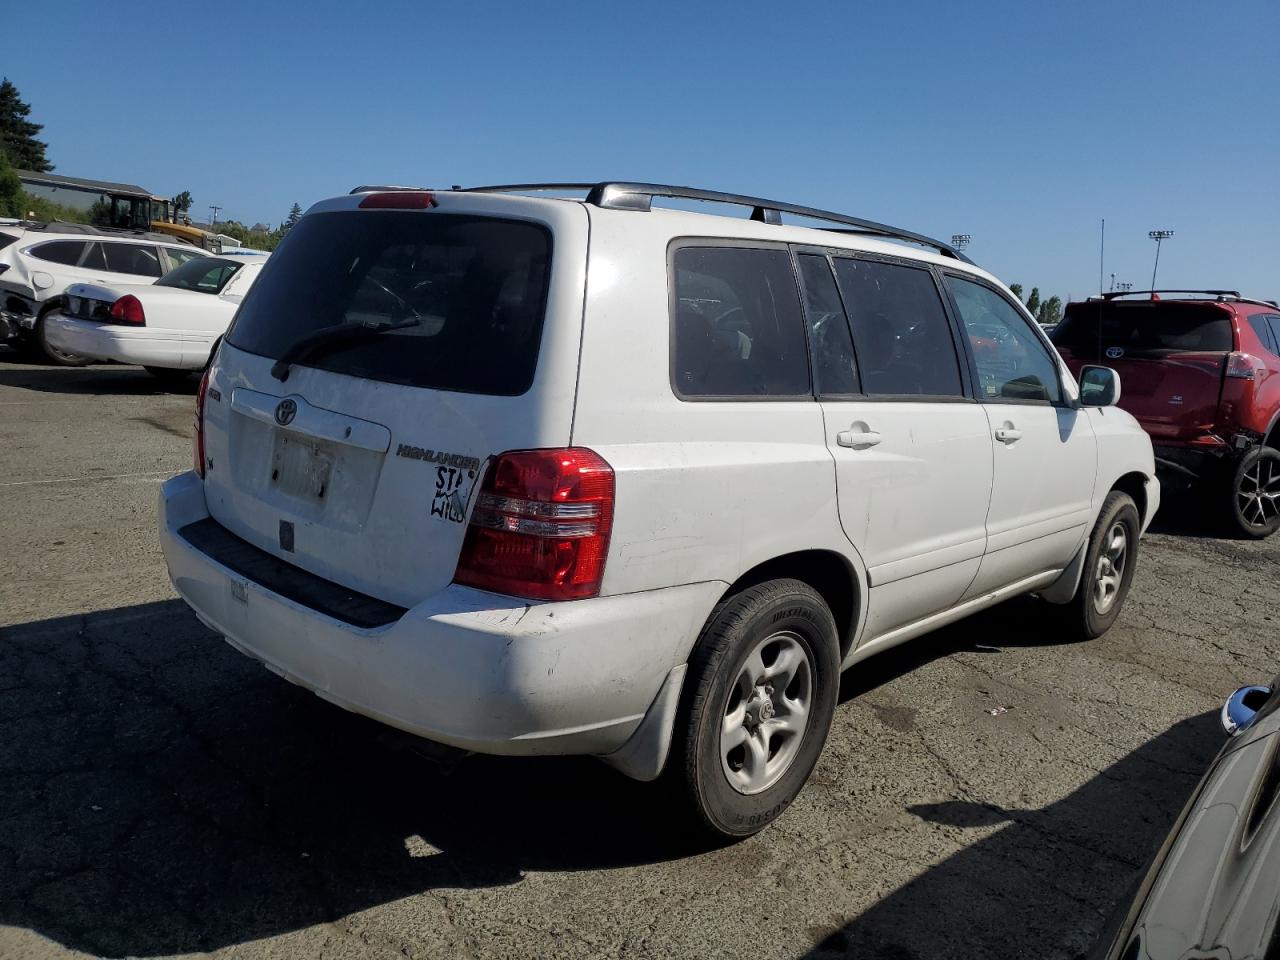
(182, 202)
(295, 214)
(1033, 301)
(18, 134)
(1016, 288)
(11, 192)
(1050, 312)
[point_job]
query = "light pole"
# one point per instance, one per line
(960, 240)
(1124, 286)
(1159, 236)
(213, 218)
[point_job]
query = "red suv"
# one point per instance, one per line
(1200, 370)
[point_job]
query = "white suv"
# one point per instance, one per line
(536, 475)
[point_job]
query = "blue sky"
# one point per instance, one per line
(1022, 124)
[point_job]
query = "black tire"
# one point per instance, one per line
(786, 609)
(1092, 616)
(53, 355)
(168, 376)
(1250, 512)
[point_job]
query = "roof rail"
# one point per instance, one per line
(1114, 294)
(639, 196)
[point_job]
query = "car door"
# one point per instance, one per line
(912, 450)
(1045, 454)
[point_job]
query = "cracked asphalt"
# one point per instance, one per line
(161, 795)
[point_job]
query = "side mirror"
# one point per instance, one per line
(1241, 708)
(1099, 387)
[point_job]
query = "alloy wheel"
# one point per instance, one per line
(766, 713)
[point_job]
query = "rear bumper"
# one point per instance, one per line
(105, 341)
(467, 668)
(1185, 463)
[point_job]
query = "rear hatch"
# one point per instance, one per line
(460, 342)
(1171, 357)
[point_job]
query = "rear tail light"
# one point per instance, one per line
(541, 524)
(128, 309)
(1243, 366)
(197, 446)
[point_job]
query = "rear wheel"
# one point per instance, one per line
(1254, 508)
(757, 706)
(61, 358)
(1111, 558)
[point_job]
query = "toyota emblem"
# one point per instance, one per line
(1115, 353)
(285, 412)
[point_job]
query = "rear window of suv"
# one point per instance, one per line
(1145, 326)
(466, 295)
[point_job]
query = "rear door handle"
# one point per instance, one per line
(1008, 434)
(858, 438)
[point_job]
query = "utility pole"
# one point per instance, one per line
(960, 240)
(1159, 236)
(213, 218)
(1124, 286)
(1113, 282)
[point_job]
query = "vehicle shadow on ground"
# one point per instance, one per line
(1051, 875)
(160, 793)
(100, 379)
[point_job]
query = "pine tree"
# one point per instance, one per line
(11, 195)
(18, 134)
(1016, 289)
(295, 214)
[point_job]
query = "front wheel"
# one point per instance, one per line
(1111, 558)
(1254, 509)
(756, 707)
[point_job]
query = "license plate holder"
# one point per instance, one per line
(301, 468)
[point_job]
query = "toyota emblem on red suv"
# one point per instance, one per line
(1115, 353)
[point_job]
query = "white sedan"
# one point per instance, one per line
(168, 327)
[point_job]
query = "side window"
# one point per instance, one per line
(94, 258)
(178, 256)
(133, 258)
(737, 328)
(1012, 362)
(900, 330)
(834, 372)
(66, 252)
(1267, 327)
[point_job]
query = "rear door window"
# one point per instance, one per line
(66, 252)
(1011, 361)
(135, 259)
(834, 371)
(900, 329)
(466, 296)
(738, 332)
(6, 239)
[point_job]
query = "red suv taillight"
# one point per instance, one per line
(197, 445)
(128, 309)
(1243, 366)
(540, 528)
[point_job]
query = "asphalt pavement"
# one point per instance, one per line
(989, 790)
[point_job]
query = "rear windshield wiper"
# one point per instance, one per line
(331, 338)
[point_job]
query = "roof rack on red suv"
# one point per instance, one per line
(1201, 372)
